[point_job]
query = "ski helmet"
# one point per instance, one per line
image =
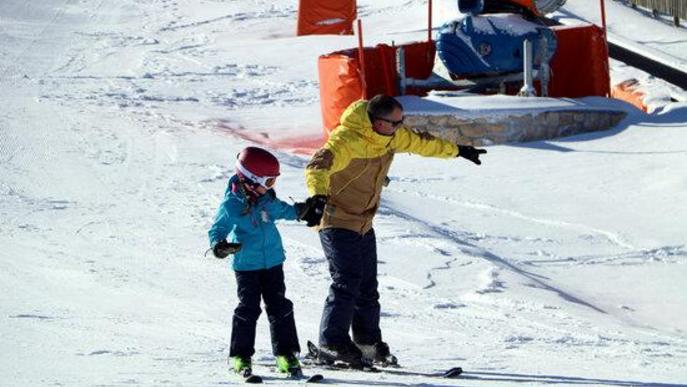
(258, 166)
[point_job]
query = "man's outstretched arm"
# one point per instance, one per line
(425, 144)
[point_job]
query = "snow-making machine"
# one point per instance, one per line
(498, 41)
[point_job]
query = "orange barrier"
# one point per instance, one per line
(333, 17)
(339, 86)
(341, 82)
(629, 92)
(580, 66)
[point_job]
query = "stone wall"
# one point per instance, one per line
(514, 128)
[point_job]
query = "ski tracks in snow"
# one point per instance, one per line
(579, 228)
(470, 249)
(499, 318)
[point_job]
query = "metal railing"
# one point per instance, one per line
(675, 8)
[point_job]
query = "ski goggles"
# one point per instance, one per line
(264, 181)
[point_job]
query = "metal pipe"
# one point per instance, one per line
(527, 89)
(401, 70)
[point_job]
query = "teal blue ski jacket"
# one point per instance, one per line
(252, 226)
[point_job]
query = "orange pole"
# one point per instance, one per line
(603, 25)
(429, 22)
(361, 59)
(603, 15)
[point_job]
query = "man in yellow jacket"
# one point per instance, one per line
(345, 179)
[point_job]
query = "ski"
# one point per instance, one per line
(315, 378)
(249, 377)
(451, 373)
(297, 374)
(314, 359)
(252, 379)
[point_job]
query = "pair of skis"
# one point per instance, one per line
(318, 359)
(293, 374)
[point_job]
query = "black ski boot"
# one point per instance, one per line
(378, 353)
(348, 353)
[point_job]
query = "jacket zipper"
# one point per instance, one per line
(264, 237)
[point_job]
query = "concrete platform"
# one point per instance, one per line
(498, 119)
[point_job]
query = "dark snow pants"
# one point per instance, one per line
(268, 284)
(353, 300)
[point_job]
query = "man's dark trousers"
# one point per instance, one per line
(353, 300)
(269, 284)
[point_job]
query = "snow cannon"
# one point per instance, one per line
(492, 45)
(527, 7)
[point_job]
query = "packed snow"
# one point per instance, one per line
(554, 262)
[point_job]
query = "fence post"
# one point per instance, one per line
(676, 13)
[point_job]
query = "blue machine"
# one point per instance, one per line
(492, 44)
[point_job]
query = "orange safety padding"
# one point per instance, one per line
(629, 92)
(319, 17)
(579, 67)
(419, 58)
(340, 82)
(339, 86)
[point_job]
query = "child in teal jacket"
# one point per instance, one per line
(246, 218)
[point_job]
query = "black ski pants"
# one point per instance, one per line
(353, 300)
(268, 284)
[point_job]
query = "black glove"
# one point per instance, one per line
(471, 153)
(301, 208)
(311, 211)
(223, 248)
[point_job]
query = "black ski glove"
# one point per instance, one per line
(471, 153)
(301, 208)
(223, 248)
(311, 211)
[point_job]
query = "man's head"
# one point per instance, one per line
(386, 114)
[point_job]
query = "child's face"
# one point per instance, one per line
(261, 190)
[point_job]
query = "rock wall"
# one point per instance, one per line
(514, 128)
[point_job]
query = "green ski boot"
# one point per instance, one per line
(239, 364)
(289, 364)
(242, 367)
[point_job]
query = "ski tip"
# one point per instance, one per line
(253, 379)
(453, 372)
(315, 378)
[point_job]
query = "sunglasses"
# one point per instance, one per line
(395, 124)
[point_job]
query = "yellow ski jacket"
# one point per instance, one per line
(351, 168)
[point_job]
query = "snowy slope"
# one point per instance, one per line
(633, 27)
(557, 262)
(638, 31)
